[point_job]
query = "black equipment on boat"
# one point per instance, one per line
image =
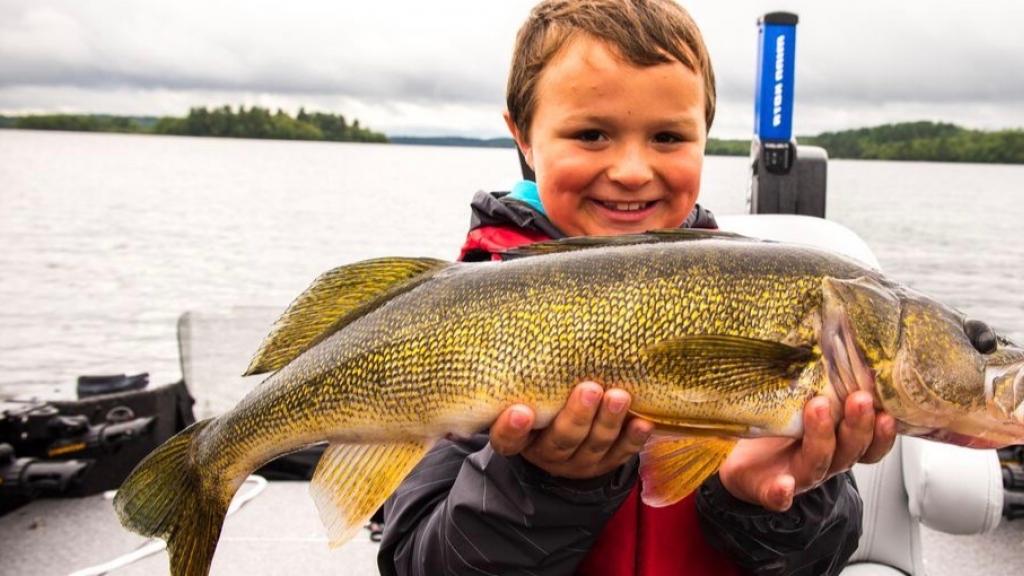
(112, 384)
(22, 479)
(85, 446)
(1012, 461)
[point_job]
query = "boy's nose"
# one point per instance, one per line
(630, 168)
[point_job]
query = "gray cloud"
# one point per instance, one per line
(856, 61)
(328, 49)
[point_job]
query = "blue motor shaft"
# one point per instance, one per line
(773, 107)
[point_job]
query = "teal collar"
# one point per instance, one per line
(526, 191)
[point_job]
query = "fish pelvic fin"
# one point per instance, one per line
(353, 480)
(166, 497)
(671, 467)
(333, 300)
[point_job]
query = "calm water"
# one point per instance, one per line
(106, 239)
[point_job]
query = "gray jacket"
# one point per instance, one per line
(466, 510)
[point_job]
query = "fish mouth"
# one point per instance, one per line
(1004, 391)
(1001, 422)
(848, 370)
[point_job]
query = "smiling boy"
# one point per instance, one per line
(616, 148)
(610, 102)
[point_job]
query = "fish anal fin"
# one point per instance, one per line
(672, 467)
(333, 299)
(353, 480)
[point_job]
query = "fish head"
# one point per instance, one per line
(939, 374)
(959, 382)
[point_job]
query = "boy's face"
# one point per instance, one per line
(617, 149)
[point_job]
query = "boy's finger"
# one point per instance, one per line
(571, 425)
(632, 439)
(605, 429)
(855, 431)
(510, 433)
(777, 493)
(811, 464)
(884, 438)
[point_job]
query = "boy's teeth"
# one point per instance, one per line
(625, 206)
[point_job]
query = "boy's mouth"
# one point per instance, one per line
(627, 206)
(625, 211)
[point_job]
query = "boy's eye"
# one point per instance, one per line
(589, 136)
(668, 138)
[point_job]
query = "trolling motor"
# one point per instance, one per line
(785, 178)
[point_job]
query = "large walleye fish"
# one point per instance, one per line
(716, 338)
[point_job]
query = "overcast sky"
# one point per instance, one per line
(438, 67)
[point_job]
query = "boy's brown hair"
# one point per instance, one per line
(645, 33)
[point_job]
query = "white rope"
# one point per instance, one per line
(154, 545)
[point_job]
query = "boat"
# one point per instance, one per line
(63, 459)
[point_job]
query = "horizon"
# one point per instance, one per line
(465, 136)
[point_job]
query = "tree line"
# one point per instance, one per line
(254, 122)
(932, 141)
(79, 122)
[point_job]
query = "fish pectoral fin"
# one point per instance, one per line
(353, 480)
(333, 300)
(671, 467)
(716, 367)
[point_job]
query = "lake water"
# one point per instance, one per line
(106, 239)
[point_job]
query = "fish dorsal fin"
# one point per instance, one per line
(334, 297)
(715, 367)
(353, 480)
(575, 243)
(671, 467)
(683, 234)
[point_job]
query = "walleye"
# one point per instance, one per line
(716, 337)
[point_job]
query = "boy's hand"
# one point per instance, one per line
(771, 471)
(590, 436)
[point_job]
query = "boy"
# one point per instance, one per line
(610, 102)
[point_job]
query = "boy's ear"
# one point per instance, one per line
(523, 145)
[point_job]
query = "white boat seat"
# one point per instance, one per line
(947, 488)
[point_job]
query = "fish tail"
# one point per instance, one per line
(167, 497)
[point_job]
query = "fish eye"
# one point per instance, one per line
(981, 336)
